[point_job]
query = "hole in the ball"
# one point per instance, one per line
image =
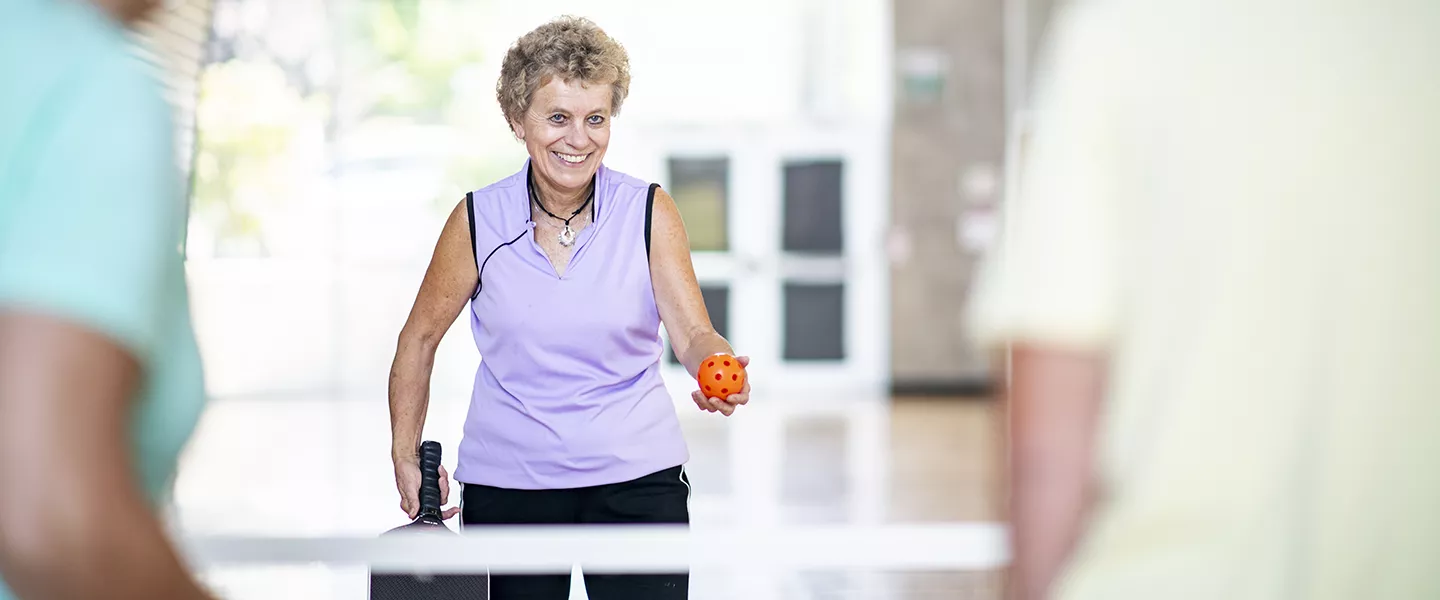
(712, 363)
(734, 377)
(724, 390)
(717, 377)
(727, 363)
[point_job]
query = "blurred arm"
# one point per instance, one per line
(1054, 402)
(73, 522)
(677, 292)
(88, 267)
(449, 281)
(1055, 291)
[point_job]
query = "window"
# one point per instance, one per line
(814, 321)
(700, 188)
(814, 207)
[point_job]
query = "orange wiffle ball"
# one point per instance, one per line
(720, 376)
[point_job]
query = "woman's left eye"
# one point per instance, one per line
(596, 119)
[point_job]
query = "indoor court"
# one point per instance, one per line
(1026, 299)
(303, 259)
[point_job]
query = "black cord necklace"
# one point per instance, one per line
(567, 235)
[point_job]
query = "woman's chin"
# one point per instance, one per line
(570, 175)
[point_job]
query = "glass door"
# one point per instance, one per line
(785, 226)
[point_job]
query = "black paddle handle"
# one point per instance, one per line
(430, 478)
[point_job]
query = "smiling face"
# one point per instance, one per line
(566, 131)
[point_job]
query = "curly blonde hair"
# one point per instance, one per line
(571, 48)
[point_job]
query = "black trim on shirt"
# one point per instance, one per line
(470, 214)
(649, 213)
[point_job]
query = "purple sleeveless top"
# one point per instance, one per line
(569, 392)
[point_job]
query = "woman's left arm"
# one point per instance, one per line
(682, 308)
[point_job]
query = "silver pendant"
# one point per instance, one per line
(567, 236)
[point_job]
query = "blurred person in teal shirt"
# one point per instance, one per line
(100, 378)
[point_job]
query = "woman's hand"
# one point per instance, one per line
(407, 481)
(727, 405)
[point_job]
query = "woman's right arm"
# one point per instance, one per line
(73, 522)
(449, 282)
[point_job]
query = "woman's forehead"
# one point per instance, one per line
(575, 95)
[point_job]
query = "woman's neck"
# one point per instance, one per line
(558, 201)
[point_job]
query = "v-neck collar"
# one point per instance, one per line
(582, 238)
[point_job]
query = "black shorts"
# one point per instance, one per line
(660, 497)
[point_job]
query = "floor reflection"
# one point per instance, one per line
(319, 466)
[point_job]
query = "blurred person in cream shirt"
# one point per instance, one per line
(1220, 289)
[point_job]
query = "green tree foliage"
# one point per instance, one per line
(264, 116)
(409, 53)
(249, 122)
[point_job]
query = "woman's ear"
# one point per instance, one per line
(517, 129)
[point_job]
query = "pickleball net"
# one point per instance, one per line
(929, 561)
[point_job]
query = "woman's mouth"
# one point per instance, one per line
(573, 159)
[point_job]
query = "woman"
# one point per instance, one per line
(569, 268)
(100, 381)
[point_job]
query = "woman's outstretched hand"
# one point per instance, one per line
(727, 405)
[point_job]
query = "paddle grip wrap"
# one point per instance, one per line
(430, 477)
